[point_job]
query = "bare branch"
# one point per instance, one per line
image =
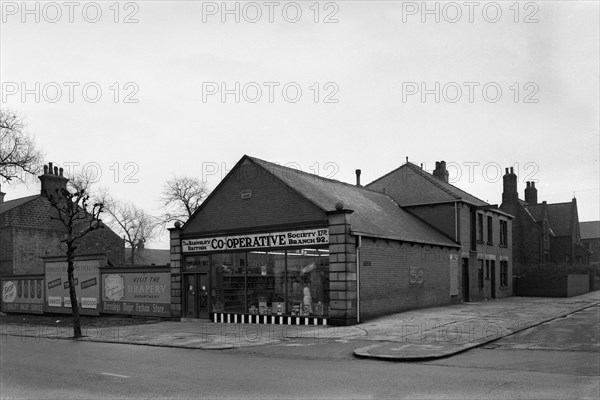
(182, 196)
(18, 152)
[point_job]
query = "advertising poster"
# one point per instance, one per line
(137, 293)
(87, 285)
(23, 294)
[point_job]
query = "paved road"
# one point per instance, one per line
(62, 369)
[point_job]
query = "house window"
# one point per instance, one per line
(503, 232)
(490, 234)
(504, 273)
(480, 228)
(480, 275)
(487, 269)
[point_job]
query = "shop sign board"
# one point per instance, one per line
(23, 294)
(136, 293)
(87, 278)
(307, 237)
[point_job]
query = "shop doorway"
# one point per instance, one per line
(465, 279)
(493, 262)
(196, 298)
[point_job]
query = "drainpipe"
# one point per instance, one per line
(358, 279)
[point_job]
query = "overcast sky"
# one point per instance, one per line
(515, 86)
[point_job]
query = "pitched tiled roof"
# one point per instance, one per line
(590, 229)
(374, 213)
(9, 205)
(536, 211)
(416, 187)
(560, 217)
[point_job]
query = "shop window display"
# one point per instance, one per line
(266, 283)
(292, 282)
(228, 292)
(308, 282)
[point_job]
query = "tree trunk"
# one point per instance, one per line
(73, 295)
(132, 257)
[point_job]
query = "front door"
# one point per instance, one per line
(493, 279)
(196, 300)
(465, 279)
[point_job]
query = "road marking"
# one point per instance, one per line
(117, 375)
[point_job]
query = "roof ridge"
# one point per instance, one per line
(313, 175)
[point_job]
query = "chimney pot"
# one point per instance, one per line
(512, 171)
(441, 172)
(506, 171)
(358, 177)
(531, 193)
(52, 180)
(60, 171)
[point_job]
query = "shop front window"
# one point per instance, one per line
(308, 282)
(228, 272)
(292, 282)
(266, 283)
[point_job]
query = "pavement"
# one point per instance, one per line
(417, 335)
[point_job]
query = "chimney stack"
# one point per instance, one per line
(358, 178)
(509, 193)
(52, 179)
(1, 195)
(440, 171)
(531, 193)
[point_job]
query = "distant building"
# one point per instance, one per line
(27, 234)
(590, 239)
(542, 233)
(151, 257)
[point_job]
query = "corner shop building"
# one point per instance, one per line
(273, 244)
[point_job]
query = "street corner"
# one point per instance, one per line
(407, 352)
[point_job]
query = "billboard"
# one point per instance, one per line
(142, 292)
(23, 294)
(87, 285)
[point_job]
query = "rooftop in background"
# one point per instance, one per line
(155, 257)
(590, 229)
(417, 187)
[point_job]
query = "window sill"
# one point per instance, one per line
(504, 246)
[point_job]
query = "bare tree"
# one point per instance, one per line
(182, 196)
(136, 225)
(79, 217)
(18, 152)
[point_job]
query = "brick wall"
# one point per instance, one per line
(385, 277)
(441, 216)
(28, 234)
